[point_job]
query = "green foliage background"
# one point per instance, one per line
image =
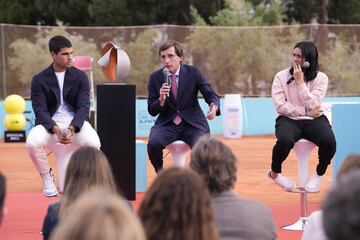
(234, 59)
(238, 45)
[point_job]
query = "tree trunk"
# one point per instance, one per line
(322, 6)
(322, 34)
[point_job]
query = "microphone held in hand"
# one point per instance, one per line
(305, 65)
(64, 133)
(167, 80)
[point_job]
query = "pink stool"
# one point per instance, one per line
(178, 151)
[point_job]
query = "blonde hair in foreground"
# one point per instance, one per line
(88, 167)
(99, 215)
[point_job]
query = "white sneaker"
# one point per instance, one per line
(49, 188)
(313, 185)
(284, 182)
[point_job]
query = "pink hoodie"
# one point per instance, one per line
(291, 99)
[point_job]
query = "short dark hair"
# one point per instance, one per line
(179, 50)
(341, 208)
(2, 190)
(215, 163)
(58, 42)
(310, 54)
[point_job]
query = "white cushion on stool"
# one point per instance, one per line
(178, 151)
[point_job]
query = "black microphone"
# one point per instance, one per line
(166, 74)
(305, 65)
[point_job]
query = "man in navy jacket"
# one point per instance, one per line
(60, 97)
(173, 96)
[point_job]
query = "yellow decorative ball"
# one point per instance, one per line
(14, 104)
(14, 122)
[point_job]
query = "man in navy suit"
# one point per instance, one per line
(60, 97)
(179, 114)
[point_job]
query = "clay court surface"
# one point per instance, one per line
(26, 205)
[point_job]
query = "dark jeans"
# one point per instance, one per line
(289, 131)
(162, 136)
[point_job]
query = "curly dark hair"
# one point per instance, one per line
(177, 207)
(215, 162)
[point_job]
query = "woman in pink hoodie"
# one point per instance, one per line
(297, 93)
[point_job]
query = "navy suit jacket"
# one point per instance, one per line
(45, 96)
(191, 81)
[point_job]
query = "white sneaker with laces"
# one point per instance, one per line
(49, 188)
(313, 185)
(284, 182)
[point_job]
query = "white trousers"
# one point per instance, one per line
(39, 142)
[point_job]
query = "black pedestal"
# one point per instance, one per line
(116, 129)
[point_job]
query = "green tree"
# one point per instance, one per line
(24, 12)
(68, 12)
(248, 14)
(341, 64)
(242, 60)
(305, 11)
(249, 56)
(145, 12)
(110, 12)
(309, 11)
(106, 12)
(198, 19)
(179, 11)
(344, 11)
(299, 11)
(209, 8)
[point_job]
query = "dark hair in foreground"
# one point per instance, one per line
(58, 42)
(341, 208)
(2, 191)
(177, 207)
(88, 167)
(98, 214)
(215, 163)
(179, 50)
(309, 53)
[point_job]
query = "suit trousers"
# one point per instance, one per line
(161, 136)
(39, 142)
(288, 131)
